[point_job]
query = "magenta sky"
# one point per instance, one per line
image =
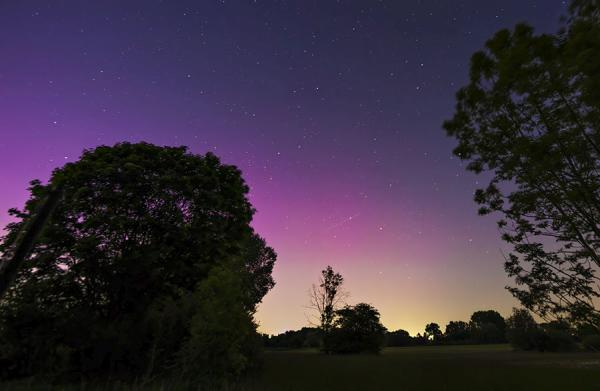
(332, 110)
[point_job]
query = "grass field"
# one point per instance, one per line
(465, 368)
(431, 368)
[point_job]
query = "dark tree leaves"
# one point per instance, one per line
(357, 329)
(137, 233)
(530, 117)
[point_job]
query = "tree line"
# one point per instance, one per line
(354, 329)
(520, 330)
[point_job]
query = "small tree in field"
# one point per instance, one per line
(326, 298)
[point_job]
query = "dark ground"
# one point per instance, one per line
(439, 368)
(491, 367)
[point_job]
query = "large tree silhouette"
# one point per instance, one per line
(147, 261)
(530, 118)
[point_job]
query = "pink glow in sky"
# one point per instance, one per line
(332, 111)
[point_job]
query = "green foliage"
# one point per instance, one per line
(123, 279)
(530, 117)
(585, 9)
(222, 333)
(356, 329)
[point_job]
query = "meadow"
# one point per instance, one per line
(476, 367)
(439, 368)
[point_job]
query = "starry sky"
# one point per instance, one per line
(332, 110)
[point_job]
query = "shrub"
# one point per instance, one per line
(559, 337)
(222, 342)
(522, 331)
(592, 342)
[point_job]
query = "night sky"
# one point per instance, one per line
(332, 110)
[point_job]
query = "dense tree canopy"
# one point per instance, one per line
(457, 331)
(487, 327)
(306, 337)
(398, 338)
(530, 117)
(122, 275)
(357, 329)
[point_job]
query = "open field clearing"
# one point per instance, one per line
(439, 368)
(494, 367)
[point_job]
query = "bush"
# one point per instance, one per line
(592, 342)
(223, 342)
(554, 341)
(525, 334)
(558, 337)
(522, 331)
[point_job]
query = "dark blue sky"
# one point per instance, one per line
(332, 109)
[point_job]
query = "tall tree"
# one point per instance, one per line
(326, 298)
(530, 118)
(119, 275)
